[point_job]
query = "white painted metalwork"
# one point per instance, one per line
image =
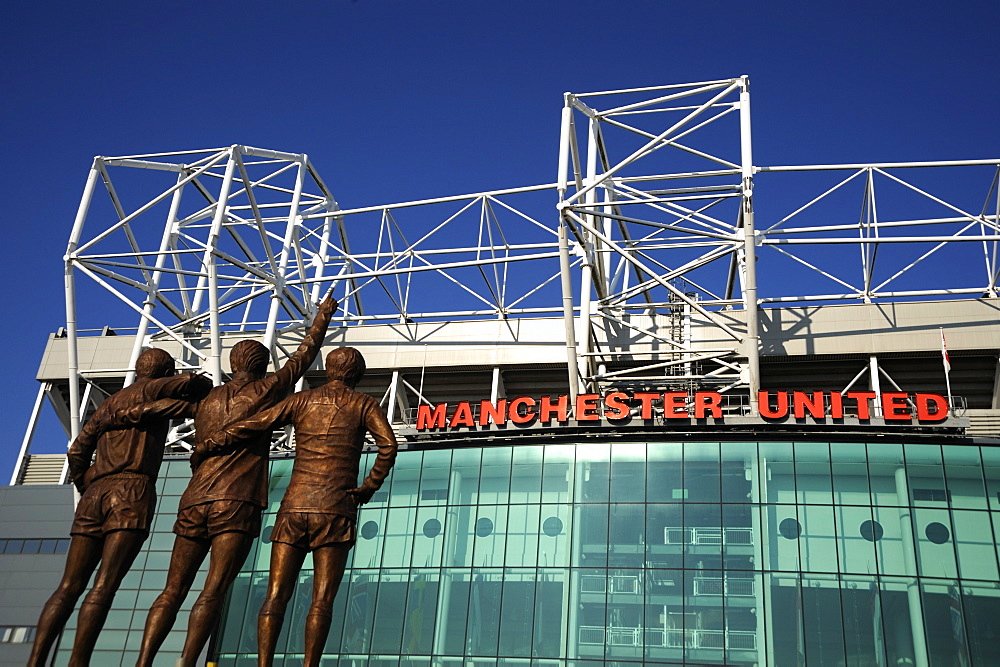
(656, 226)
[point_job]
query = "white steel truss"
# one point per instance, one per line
(654, 230)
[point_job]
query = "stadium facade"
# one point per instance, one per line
(618, 444)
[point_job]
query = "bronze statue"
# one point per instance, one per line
(115, 511)
(319, 509)
(221, 508)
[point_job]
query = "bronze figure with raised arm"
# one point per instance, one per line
(115, 511)
(220, 510)
(319, 510)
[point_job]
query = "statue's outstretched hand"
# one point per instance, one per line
(328, 305)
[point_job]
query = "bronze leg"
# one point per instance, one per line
(286, 562)
(119, 552)
(184, 563)
(229, 551)
(83, 557)
(329, 565)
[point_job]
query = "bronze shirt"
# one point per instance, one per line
(330, 424)
(134, 450)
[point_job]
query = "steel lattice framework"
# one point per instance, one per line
(649, 227)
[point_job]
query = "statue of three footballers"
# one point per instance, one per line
(220, 510)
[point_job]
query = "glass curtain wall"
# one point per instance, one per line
(736, 553)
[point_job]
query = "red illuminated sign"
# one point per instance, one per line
(620, 407)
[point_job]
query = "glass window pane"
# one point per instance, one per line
(459, 535)
(31, 546)
(822, 621)
(818, 544)
(399, 536)
(884, 460)
(489, 535)
(777, 472)
(864, 640)
(964, 477)
(429, 539)
(593, 472)
(522, 534)
(551, 601)
(454, 615)
(738, 460)
(981, 604)
(588, 630)
(896, 617)
(664, 473)
(991, 470)
(13, 546)
(465, 465)
(944, 624)
(554, 542)
(740, 544)
(592, 524)
(925, 475)
(390, 611)
(494, 484)
(812, 473)
(665, 535)
(419, 617)
(785, 600)
(627, 527)
(703, 525)
(850, 473)
(434, 478)
(857, 534)
(526, 474)
(628, 472)
(975, 545)
(889, 549)
(935, 543)
(405, 480)
(360, 614)
(702, 479)
(784, 530)
(517, 612)
(484, 612)
(557, 473)
(371, 537)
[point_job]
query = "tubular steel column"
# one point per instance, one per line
(279, 280)
(564, 263)
(567, 296)
(752, 343)
(215, 359)
(154, 286)
(72, 356)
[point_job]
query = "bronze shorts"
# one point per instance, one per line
(309, 531)
(125, 501)
(207, 520)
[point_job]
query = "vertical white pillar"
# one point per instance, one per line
(150, 302)
(215, 335)
(291, 228)
(749, 250)
(876, 383)
(910, 562)
(73, 360)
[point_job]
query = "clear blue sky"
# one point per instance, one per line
(406, 100)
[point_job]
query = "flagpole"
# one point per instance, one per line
(947, 370)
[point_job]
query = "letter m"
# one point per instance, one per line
(428, 419)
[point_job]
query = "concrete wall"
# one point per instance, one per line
(27, 581)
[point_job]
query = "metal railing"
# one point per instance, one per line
(734, 640)
(708, 536)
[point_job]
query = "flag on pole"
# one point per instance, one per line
(944, 354)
